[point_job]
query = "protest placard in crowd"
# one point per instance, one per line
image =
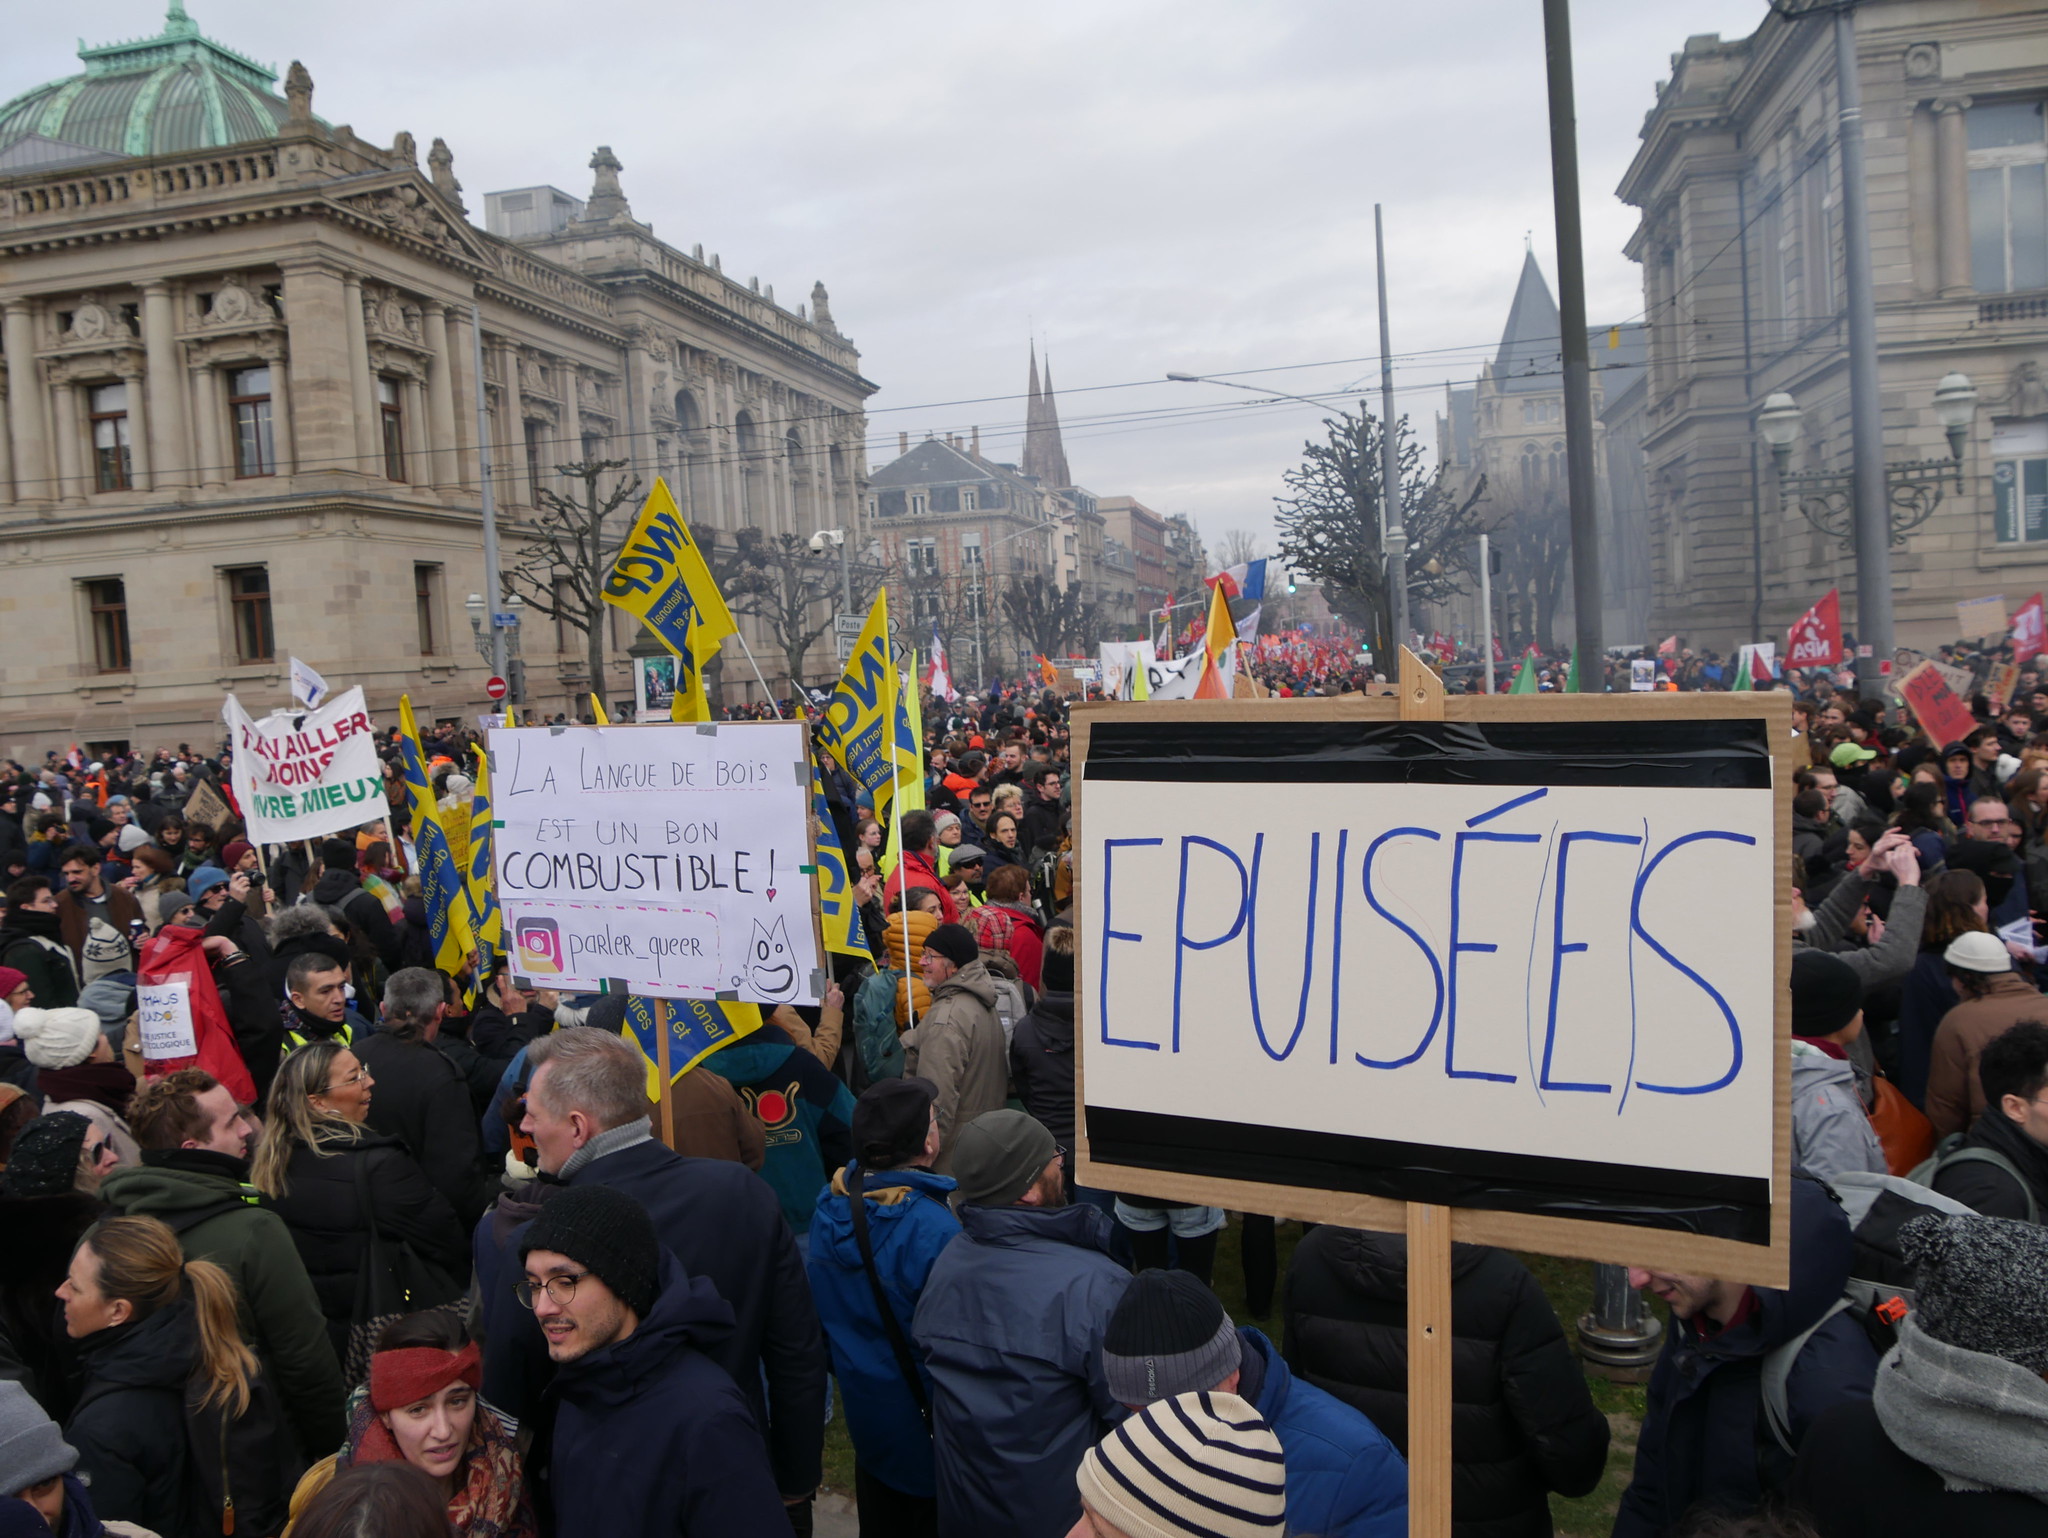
(304, 774)
(667, 860)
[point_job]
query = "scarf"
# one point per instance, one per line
(610, 1141)
(490, 1499)
(107, 1084)
(385, 893)
(1978, 1421)
(33, 921)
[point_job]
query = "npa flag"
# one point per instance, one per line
(441, 880)
(660, 577)
(1815, 639)
(837, 904)
(696, 1029)
(2028, 639)
(1218, 662)
(860, 728)
(940, 680)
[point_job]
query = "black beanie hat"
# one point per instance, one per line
(891, 1121)
(1056, 965)
(44, 1161)
(955, 942)
(1168, 1335)
(607, 1231)
(1826, 993)
(1982, 1284)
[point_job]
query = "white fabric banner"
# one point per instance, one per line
(306, 774)
(1175, 678)
(1120, 661)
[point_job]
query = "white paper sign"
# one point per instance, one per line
(164, 1019)
(305, 774)
(1642, 675)
(669, 858)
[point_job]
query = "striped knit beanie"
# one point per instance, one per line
(1200, 1465)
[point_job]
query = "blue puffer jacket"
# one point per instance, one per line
(1704, 1442)
(909, 1223)
(1011, 1325)
(649, 1435)
(1344, 1479)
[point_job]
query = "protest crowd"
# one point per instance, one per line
(320, 1221)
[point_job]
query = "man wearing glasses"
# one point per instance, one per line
(648, 1435)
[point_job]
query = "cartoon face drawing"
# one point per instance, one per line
(770, 967)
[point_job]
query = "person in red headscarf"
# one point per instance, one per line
(421, 1406)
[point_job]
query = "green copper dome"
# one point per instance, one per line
(159, 95)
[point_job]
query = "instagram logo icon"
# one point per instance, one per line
(539, 945)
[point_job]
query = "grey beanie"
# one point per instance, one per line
(32, 1449)
(1169, 1335)
(1983, 1284)
(999, 1155)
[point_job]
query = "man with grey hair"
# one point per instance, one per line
(422, 1098)
(587, 1112)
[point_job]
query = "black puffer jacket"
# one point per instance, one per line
(1522, 1421)
(1042, 1063)
(321, 1208)
(41, 1232)
(422, 1099)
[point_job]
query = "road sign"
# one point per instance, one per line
(848, 625)
(495, 686)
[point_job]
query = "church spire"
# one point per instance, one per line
(1057, 461)
(1044, 457)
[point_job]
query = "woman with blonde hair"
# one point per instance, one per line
(343, 1189)
(175, 1426)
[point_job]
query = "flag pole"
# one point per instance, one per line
(741, 637)
(896, 840)
(668, 1109)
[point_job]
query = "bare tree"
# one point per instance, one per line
(1237, 547)
(1535, 534)
(1330, 527)
(793, 590)
(1046, 616)
(564, 554)
(934, 603)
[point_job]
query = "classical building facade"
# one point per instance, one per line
(1509, 428)
(241, 399)
(1739, 185)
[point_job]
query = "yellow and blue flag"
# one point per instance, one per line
(479, 889)
(696, 1029)
(441, 879)
(837, 904)
(860, 719)
(689, 701)
(661, 577)
(909, 739)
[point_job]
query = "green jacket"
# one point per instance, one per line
(280, 1314)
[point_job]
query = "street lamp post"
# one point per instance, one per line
(1393, 531)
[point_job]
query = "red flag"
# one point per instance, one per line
(1668, 647)
(1499, 652)
(2028, 637)
(1815, 639)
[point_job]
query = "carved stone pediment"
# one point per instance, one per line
(397, 360)
(235, 306)
(93, 322)
(533, 378)
(405, 211)
(101, 367)
(250, 348)
(390, 316)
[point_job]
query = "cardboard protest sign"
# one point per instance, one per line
(1937, 707)
(1332, 962)
(1978, 617)
(308, 773)
(205, 805)
(2001, 681)
(667, 860)
(163, 1014)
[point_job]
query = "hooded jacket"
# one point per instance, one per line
(1344, 1479)
(1831, 1132)
(650, 1436)
(805, 1112)
(342, 890)
(1011, 1325)
(1985, 1187)
(1702, 1442)
(1954, 1093)
(32, 944)
(1042, 1063)
(1523, 1422)
(958, 1045)
(280, 1312)
(909, 1223)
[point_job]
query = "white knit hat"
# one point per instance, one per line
(1197, 1464)
(57, 1038)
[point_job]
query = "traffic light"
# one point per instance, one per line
(1290, 582)
(1493, 560)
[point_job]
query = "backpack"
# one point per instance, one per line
(1013, 1000)
(874, 1024)
(1950, 1151)
(1880, 1289)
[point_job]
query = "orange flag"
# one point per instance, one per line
(1217, 671)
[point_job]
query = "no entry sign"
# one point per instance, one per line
(494, 686)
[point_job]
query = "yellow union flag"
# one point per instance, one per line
(441, 878)
(660, 577)
(860, 718)
(689, 702)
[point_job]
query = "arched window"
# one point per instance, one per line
(746, 436)
(1532, 467)
(688, 417)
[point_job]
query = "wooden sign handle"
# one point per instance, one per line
(665, 1128)
(1429, 1267)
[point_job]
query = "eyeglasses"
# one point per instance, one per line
(560, 1289)
(343, 1083)
(102, 1151)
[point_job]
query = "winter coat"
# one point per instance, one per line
(1924, 1000)
(1891, 958)
(958, 1045)
(73, 919)
(1011, 1324)
(1344, 1478)
(1985, 1187)
(909, 1223)
(499, 1036)
(915, 870)
(279, 1311)
(325, 1214)
(17, 1070)
(51, 969)
(1808, 838)
(1522, 1420)
(1954, 1094)
(725, 1225)
(1042, 1063)
(1852, 1481)
(1013, 928)
(805, 1112)
(479, 1073)
(342, 890)
(1831, 1131)
(422, 1100)
(650, 1436)
(1040, 826)
(41, 1232)
(253, 1016)
(1703, 1441)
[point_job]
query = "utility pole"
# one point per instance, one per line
(1578, 367)
(1486, 607)
(1393, 533)
(1872, 527)
(494, 587)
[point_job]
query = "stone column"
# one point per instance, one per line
(282, 437)
(212, 456)
(27, 421)
(1952, 193)
(7, 494)
(464, 390)
(169, 438)
(419, 459)
(361, 387)
(321, 398)
(441, 399)
(70, 478)
(572, 416)
(508, 451)
(140, 462)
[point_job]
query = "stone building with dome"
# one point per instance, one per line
(241, 404)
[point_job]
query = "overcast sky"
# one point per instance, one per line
(1143, 185)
